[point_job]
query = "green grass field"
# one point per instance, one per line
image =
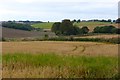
(43, 25)
(58, 66)
(92, 24)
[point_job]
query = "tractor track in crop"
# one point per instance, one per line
(80, 46)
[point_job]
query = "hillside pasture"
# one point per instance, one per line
(92, 25)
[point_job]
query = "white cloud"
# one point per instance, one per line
(57, 9)
(24, 1)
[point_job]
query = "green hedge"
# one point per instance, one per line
(111, 40)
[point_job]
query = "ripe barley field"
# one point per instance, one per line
(59, 59)
(61, 47)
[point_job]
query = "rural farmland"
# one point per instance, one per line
(13, 33)
(66, 48)
(31, 54)
(44, 25)
(57, 39)
(41, 59)
(91, 25)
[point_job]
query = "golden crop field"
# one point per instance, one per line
(73, 48)
(59, 59)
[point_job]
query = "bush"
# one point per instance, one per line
(104, 29)
(46, 36)
(3, 39)
(56, 27)
(20, 26)
(118, 20)
(116, 30)
(84, 30)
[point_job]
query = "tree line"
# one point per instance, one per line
(15, 25)
(94, 20)
(66, 27)
(106, 29)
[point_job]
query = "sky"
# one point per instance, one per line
(57, 10)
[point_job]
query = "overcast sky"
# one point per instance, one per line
(57, 10)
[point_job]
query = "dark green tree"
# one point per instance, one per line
(56, 28)
(109, 20)
(76, 30)
(84, 30)
(96, 30)
(66, 27)
(118, 20)
(114, 20)
(116, 30)
(78, 21)
(104, 29)
(74, 20)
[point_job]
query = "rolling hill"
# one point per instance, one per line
(90, 25)
(14, 33)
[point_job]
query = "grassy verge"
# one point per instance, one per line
(59, 66)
